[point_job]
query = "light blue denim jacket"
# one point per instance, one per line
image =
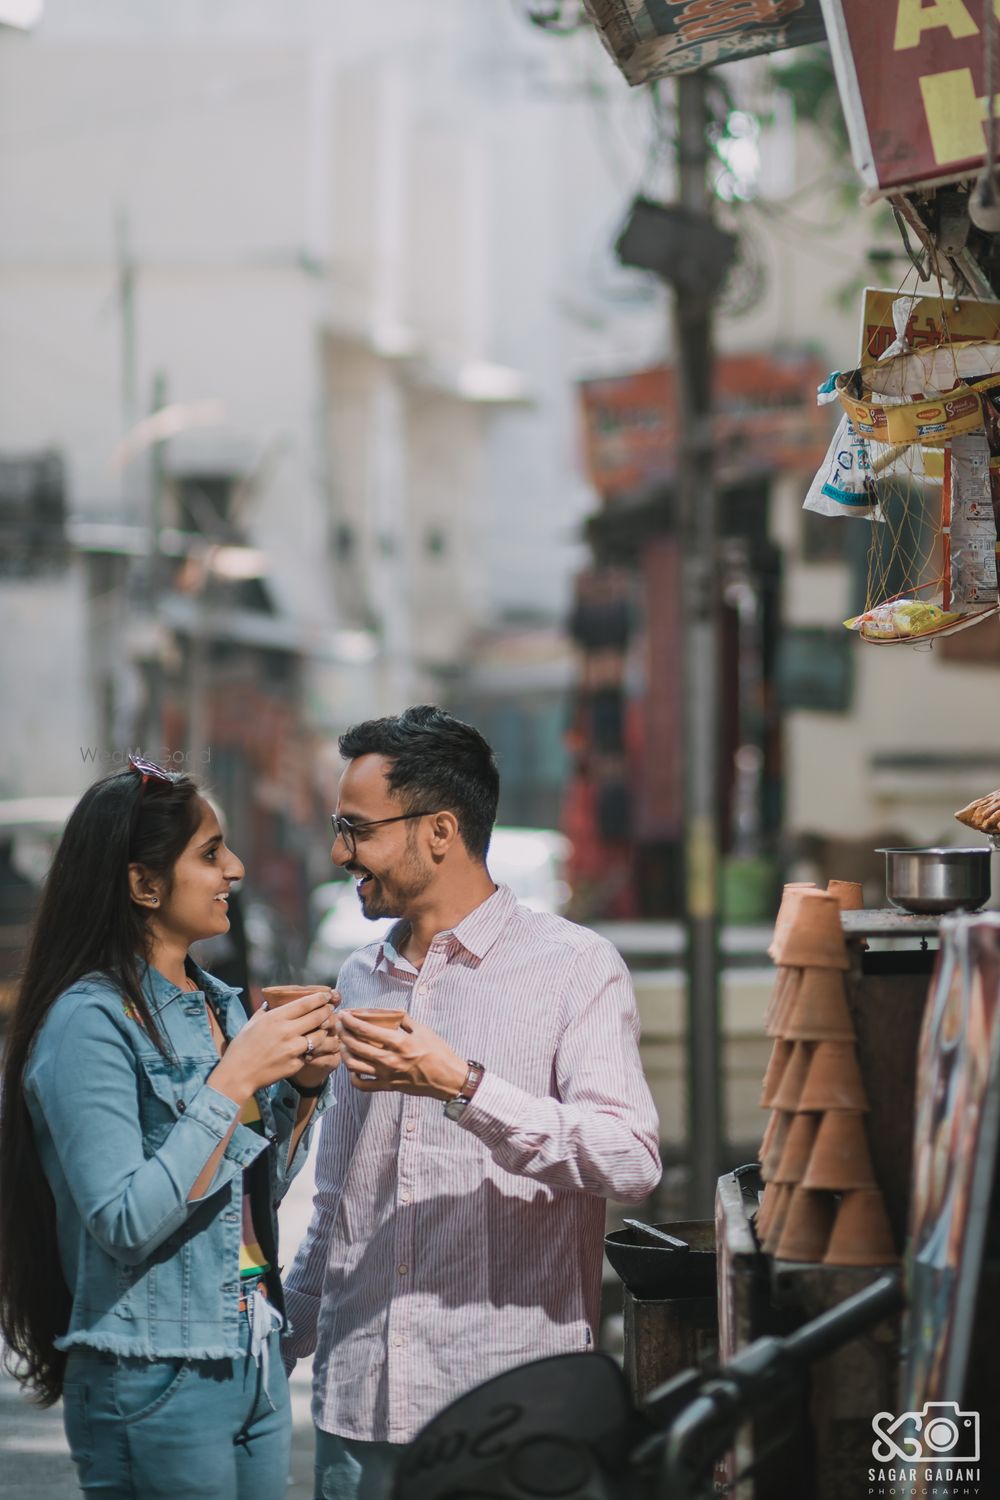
(123, 1133)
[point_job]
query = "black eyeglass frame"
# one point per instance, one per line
(343, 829)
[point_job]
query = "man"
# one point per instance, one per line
(458, 1222)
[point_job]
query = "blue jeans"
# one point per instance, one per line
(172, 1429)
(347, 1469)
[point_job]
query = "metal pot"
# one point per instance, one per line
(932, 881)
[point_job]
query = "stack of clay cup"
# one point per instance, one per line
(821, 1201)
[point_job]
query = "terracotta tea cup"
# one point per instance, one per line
(776, 1223)
(815, 938)
(780, 1053)
(799, 1142)
(281, 994)
(819, 1012)
(786, 1095)
(781, 921)
(834, 1079)
(805, 1233)
(776, 1145)
(861, 1234)
(840, 1158)
(376, 1016)
(850, 894)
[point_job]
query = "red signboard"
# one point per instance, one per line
(912, 80)
(766, 421)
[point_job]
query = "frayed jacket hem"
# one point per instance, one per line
(107, 1343)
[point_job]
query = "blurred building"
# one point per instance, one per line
(362, 256)
(348, 257)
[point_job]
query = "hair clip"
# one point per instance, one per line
(147, 769)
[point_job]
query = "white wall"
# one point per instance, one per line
(45, 733)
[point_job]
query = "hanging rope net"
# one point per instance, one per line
(917, 453)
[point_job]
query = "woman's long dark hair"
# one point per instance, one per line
(87, 922)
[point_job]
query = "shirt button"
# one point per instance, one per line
(397, 1342)
(181, 1106)
(402, 1270)
(405, 1195)
(411, 1125)
(422, 989)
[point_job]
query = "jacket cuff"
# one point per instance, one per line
(216, 1112)
(213, 1110)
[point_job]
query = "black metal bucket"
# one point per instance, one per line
(656, 1273)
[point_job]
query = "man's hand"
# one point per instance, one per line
(411, 1059)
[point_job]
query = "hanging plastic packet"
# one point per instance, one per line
(843, 482)
(902, 312)
(901, 619)
(972, 535)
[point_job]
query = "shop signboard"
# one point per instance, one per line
(932, 320)
(766, 421)
(912, 82)
(651, 39)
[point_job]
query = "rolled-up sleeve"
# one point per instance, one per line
(83, 1081)
(599, 1132)
(285, 1102)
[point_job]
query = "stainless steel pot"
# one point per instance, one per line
(933, 881)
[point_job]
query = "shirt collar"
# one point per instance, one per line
(476, 932)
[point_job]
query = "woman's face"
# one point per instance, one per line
(197, 904)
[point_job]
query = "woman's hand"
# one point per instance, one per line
(273, 1044)
(323, 1058)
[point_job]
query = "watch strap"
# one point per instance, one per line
(305, 1093)
(473, 1079)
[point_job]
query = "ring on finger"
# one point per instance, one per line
(310, 1045)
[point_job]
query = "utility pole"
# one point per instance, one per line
(154, 672)
(697, 508)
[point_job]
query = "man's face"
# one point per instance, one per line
(390, 864)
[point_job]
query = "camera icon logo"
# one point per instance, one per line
(937, 1433)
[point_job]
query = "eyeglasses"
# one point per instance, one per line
(148, 769)
(343, 829)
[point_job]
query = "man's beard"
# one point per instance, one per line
(390, 896)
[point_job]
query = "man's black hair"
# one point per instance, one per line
(438, 763)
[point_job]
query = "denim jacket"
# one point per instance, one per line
(123, 1133)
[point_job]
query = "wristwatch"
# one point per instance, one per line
(455, 1108)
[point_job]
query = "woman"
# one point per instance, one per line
(147, 1137)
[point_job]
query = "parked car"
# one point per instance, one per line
(529, 860)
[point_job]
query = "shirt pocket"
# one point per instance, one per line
(166, 1086)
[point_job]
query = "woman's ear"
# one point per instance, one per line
(143, 888)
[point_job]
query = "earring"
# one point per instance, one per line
(154, 900)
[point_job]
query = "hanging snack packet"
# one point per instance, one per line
(901, 619)
(972, 572)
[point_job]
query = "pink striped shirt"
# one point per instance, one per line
(442, 1253)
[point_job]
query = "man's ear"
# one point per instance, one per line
(144, 889)
(444, 832)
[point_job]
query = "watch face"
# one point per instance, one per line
(454, 1108)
